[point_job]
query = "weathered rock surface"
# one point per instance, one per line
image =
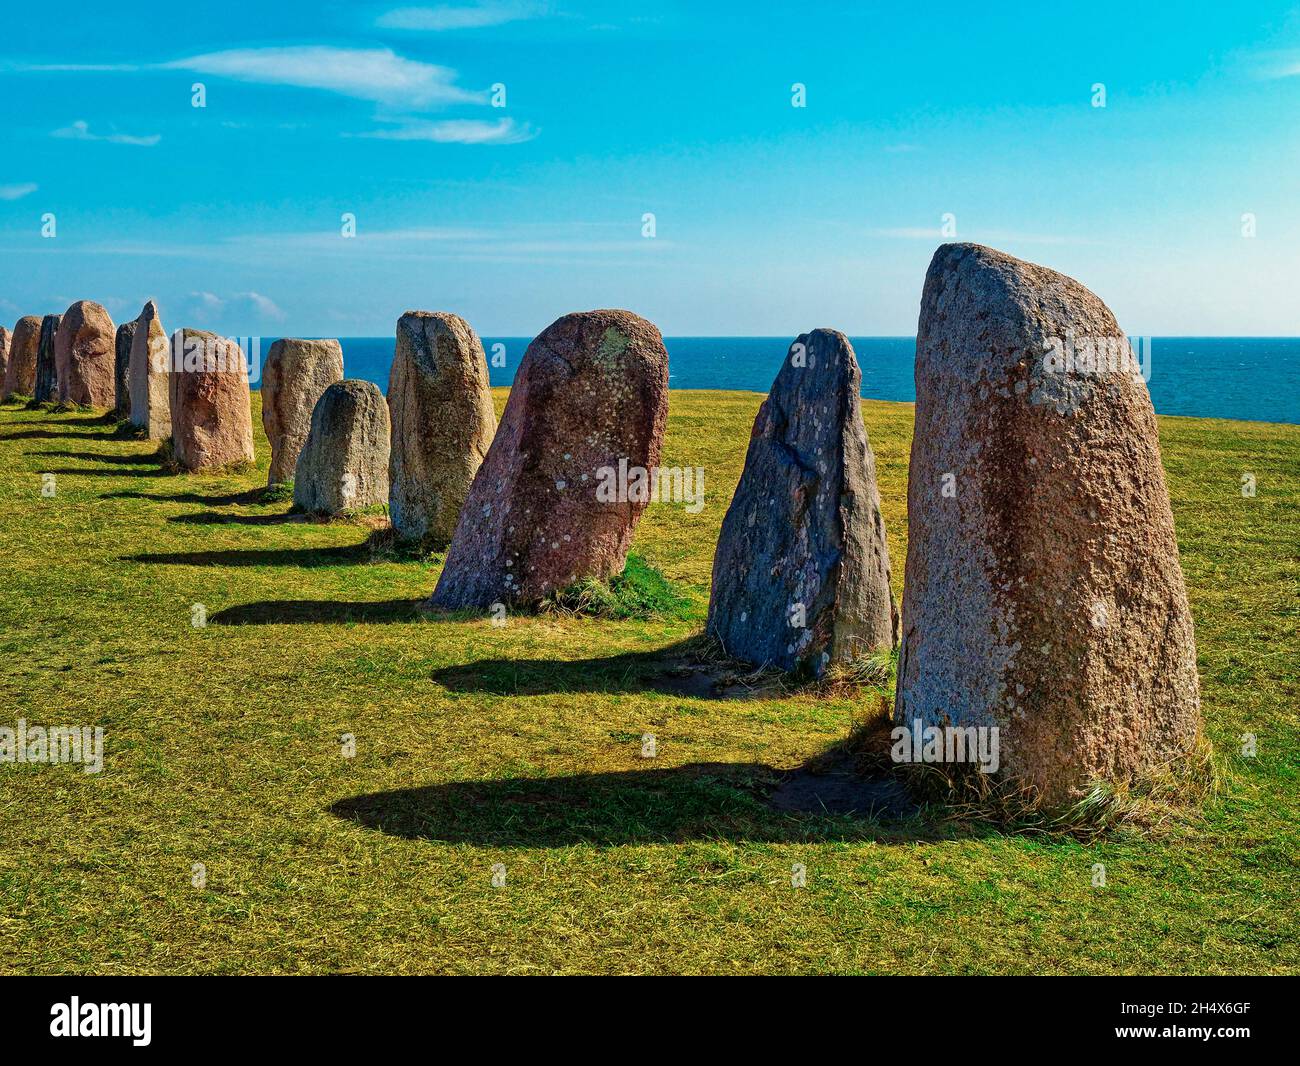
(343, 465)
(85, 356)
(148, 375)
(557, 498)
(20, 373)
(295, 374)
(211, 417)
(801, 572)
(443, 423)
(47, 376)
(121, 368)
(4, 352)
(1043, 592)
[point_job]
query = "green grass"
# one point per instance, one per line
(520, 744)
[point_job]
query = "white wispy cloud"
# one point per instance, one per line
(462, 17)
(459, 131)
(17, 192)
(211, 303)
(377, 74)
(80, 131)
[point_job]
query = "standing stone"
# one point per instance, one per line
(212, 422)
(121, 365)
(801, 572)
(443, 422)
(5, 335)
(343, 465)
(1043, 592)
(47, 376)
(20, 374)
(84, 355)
(148, 376)
(294, 375)
(568, 473)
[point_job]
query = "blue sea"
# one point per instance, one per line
(1253, 378)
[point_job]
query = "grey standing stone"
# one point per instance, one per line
(343, 466)
(1043, 591)
(148, 375)
(295, 374)
(443, 422)
(4, 350)
(801, 572)
(121, 366)
(47, 377)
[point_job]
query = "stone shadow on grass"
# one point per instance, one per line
(319, 612)
(246, 497)
(677, 670)
(699, 801)
(82, 471)
(100, 457)
(343, 555)
(225, 518)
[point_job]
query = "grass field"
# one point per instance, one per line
(521, 746)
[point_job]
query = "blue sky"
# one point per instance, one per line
(769, 219)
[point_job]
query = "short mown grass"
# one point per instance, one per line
(230, 832)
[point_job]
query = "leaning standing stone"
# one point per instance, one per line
(443, 422)
(568, 473)
(20, 374)
(343, 465)
(212, 423)
(294, 375)
(47, 376)
(801, 572)
(121, 366)
(147, 376)
(1043, 592)
(84, 356)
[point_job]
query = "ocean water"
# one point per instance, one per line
(1252, 378)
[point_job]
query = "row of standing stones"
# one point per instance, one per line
(1043, 592)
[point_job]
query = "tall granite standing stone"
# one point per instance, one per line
(295, 374)
(85, 355)
(443, 422)
(47, 374)
(1043, 592)
(801, 571)
(20, 374)
(4, 352)
(121, 367)
(211, 416)
(343, 465)
(148, 375)
(567, 476)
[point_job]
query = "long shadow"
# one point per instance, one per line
(100, 457)
(115, 472)
(225, 518)
(248, 497)
(675, 669)
(303, 557)
(318, 612)
(700, 801)
(49, 434)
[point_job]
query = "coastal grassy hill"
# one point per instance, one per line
(519, 747)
